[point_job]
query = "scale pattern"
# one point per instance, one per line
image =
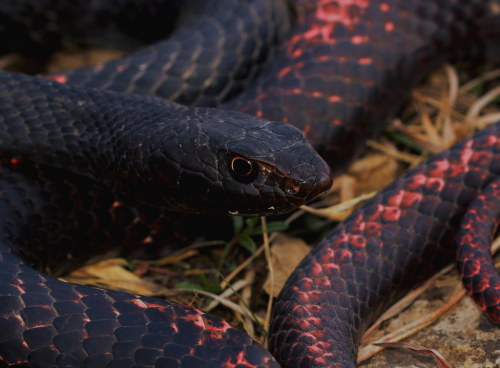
(479, 276)
(333, 78)
(395, 240)
(217, 48)
(349, 65)
(57, 141)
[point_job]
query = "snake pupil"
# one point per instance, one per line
(243, 170)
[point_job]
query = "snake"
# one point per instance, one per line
(88, 157)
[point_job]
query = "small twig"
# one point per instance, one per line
(238, 285)
(257, 252)
(265, 239)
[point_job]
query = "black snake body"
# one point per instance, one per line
(344, 60)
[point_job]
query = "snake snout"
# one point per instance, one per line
(308, 182)
(319, 185)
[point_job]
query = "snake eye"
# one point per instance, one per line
(243, 170)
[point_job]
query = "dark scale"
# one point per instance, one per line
(82, 170)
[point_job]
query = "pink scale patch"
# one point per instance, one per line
(157, 306)
(339, 10)
(322, 362)
(303, 298)
(116, 204)
(334, 98)
(323, 58)
(435, 184)
(343, 255)
(314, 350)
(365, 61)
(139, 303)
(304, 324)
(411, 198)
(15, 161)
(417, 181)
(358, 241)
(396, 199)
(284, 71)
(18, 287)
(197, 318)
(391, 214)
(389, 26)
(315, 296)
(481, 158)
(385, 7)
(331, 269)
(466, 154)
(358, 39)
(316, 322)
(323, 282)
(482, 285)
(239, 361)
(314, 309)
(59, 78)
(306, 283)
(439, 168)
(457, 169)
(316, 269)
(373, 228)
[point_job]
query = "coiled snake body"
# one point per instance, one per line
(330, 78)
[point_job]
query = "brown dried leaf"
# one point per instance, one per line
(374, 172)
(112, 274)
(286, 253)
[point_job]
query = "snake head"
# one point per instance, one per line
(230, 163)
(270, 169)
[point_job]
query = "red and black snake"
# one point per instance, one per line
(83, 168)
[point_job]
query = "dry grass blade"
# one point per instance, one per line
(224, 301)
(440, 360)
(415, 326)
(339, 211)
(265, 239)
(453, 84)
(481, 103)
(225, 282)
(237, 286)
(495, 246)
(391, 151)
(403, 303)
(257, 253)
(473, 83)
(422, 140)
(246, 296)
(176, 257)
